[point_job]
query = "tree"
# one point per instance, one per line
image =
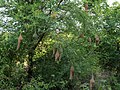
(47, 25)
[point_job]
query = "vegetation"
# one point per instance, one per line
(59, 45)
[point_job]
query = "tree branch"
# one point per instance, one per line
(59, 3)
(31, 54)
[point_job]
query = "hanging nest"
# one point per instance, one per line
(97, 39)
(92, 82)
(71, 73)
(57, 55)
(57, 52)
(20, 38)
(86, 7)
(89, 40)
(81, 35)
(35, 35)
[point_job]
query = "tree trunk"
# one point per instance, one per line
(30, 58)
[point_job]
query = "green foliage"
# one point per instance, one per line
(46, 25)
(109, 49)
